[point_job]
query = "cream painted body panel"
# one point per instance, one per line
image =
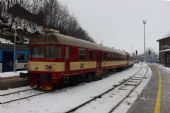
(60, 66)
(40, 66)
(113, 63)
(131, 62)
(82, 65)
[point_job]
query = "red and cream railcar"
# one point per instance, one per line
(55, 57)
(130, 59)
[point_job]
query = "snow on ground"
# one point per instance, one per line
(167, 68)
(10, 90)
(11, 74)
(67, 98)
(123, 108)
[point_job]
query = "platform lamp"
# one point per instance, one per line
(144, 23)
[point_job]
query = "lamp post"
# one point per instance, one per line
(15, 35)
(144, 23)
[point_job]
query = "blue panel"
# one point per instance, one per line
(26, 54)
(1, 56)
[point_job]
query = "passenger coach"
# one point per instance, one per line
(55, 58)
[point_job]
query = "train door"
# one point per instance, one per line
(99, 62)
(67, 59)
(8, 61)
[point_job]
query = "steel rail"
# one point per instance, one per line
(100, 95)
(129, 93)
(15, 92)
(13, 100)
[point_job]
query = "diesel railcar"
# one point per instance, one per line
(55, 58)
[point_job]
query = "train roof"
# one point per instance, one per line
(56, 38)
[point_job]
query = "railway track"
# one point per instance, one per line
(17, 90)
(28, 93)
(19, 95)
(132, 83)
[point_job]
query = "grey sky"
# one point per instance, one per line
(119, 22)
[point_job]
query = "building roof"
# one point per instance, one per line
(163, 38)
(165, 50)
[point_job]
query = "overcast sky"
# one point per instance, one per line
(119, 22)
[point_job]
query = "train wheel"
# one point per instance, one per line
(90, 77)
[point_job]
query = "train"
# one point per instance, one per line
(7, 57)
(57, 58)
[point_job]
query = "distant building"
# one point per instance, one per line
(164, 51)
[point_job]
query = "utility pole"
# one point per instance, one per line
(15, 47)
(144, 23)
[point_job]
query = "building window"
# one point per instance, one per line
(82, 54)
(91, 55)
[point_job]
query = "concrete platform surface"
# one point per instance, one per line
(147, 100)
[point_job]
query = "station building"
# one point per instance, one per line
(164, 51)
(7, 55)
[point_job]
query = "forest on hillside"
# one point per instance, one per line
(30, 16)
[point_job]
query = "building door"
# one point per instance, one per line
(8, 61)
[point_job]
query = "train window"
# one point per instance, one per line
(53, 52)
(67, 53)
(82, 54)
(104, 56)
(37, 52)
(109, 56)
(91, 55)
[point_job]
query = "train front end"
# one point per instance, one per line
(46, 65)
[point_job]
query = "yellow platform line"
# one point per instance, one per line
(159, 93)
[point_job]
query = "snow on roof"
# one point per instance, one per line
(163, 38)
(166, 50)
(5, 41)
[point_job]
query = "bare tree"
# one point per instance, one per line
(56, 17)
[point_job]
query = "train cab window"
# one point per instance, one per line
(91, 55)
(53, 52)
(37, 52)
(67, 53)
(82, 54)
